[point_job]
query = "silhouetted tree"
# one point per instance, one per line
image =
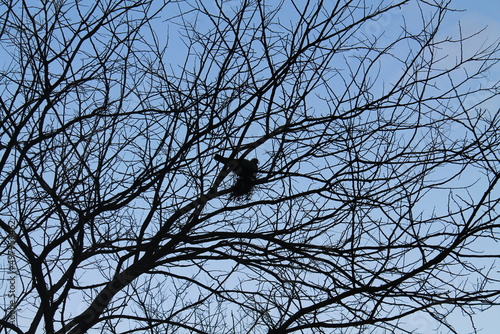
(375, 197)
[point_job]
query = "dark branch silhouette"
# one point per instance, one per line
(374, 200)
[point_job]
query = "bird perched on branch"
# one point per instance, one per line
(246, 171)
(240, 167)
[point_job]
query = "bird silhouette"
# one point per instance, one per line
(246, 171)
(241, 167)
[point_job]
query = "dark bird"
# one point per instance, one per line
(240, 167)
(246, 171)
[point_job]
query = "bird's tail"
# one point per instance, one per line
(220, 158)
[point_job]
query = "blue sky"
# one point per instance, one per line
(479, 14)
